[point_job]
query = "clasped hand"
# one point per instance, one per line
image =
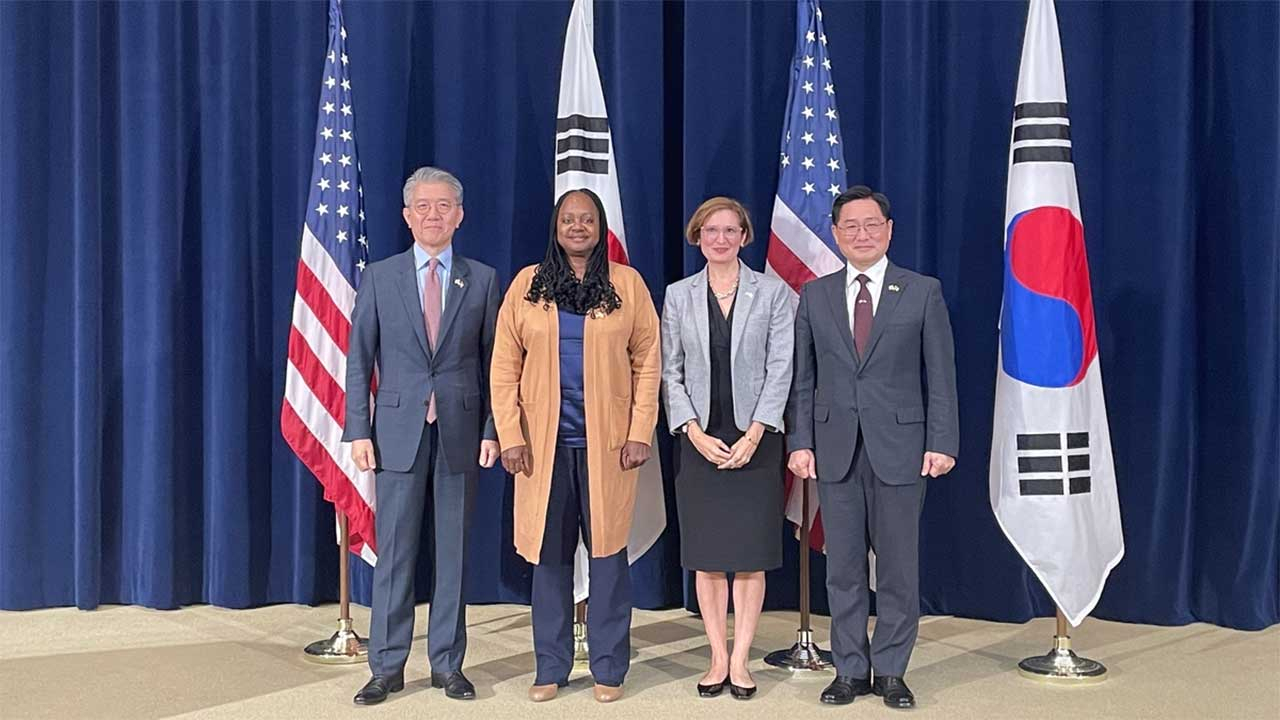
(723, 456)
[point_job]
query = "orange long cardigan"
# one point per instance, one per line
(621, 374)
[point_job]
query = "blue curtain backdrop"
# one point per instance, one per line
(154, 159)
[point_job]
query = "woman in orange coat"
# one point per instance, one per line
(575, 376)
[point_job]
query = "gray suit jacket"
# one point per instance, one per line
(835, 393)
(387, 326)
(761, 351)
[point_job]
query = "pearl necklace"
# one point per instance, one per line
(727, 293)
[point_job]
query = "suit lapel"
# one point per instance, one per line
(894, 276)
(459, 281)
(701, 321)
(412, 299)
(840, 309)
(742, 308)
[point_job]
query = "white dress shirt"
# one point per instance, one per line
(875, 283)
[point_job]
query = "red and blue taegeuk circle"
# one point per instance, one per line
(1047, 334)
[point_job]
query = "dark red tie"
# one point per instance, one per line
(862, 315)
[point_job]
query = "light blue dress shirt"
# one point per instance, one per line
(421, 258)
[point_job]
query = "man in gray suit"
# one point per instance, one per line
(426, 317)
(874, 406)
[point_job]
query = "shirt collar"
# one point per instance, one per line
(422, 257)
(875, 273)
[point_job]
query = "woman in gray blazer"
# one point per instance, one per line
(726, 371)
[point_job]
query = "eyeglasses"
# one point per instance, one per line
(444, 207)
(873, 227)
(732, 232)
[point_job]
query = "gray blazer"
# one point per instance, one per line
(387, 326)
(763, 338)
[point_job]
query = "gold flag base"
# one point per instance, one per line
(1061, 666)
(581, 651)
(804, 656)
(344, 647)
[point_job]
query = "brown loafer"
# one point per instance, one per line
(543, 693)
(608, 693)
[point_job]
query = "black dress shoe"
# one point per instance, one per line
(844, 689)
(378, 687)
(712, 690)
(895, 692)
(455, 684)
(741, 693)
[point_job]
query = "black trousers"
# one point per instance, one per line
(609, 610)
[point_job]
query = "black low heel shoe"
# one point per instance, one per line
(741, 693)
(712, 690)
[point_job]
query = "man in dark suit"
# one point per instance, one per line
(874, 405)
(426, 317)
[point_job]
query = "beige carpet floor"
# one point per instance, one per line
(206, 662)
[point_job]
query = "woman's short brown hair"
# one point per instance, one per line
(693, 231)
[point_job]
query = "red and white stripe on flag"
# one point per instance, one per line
(333, 253)
(313, 411)
(584, 159)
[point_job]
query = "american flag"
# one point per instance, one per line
(334, 252)
(812, 174)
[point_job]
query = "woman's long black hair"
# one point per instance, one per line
(554, 280)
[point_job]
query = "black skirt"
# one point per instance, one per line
(730, 520)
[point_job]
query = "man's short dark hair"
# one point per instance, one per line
(859, 192)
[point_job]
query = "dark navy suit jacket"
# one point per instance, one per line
(388, 328)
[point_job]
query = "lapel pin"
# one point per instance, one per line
(459, 282)
(894, 288)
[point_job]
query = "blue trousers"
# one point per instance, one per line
(609, 610)
(429, 491)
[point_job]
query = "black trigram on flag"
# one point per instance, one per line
(1053, 463)
(582, 144)
(1041, 132)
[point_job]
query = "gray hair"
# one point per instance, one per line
(428, 174)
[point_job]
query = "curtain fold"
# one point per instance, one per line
(153, 168)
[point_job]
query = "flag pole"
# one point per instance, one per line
(1061, 666)
(804, 655)
(344, 647)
